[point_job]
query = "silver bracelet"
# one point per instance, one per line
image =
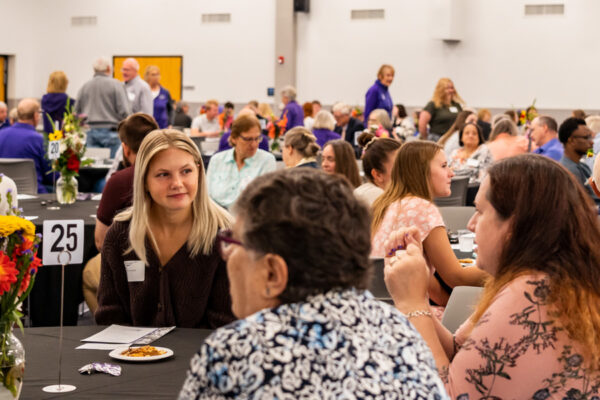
(419, 313)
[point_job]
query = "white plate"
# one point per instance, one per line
(116, 354)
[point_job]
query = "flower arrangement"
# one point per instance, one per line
(276, 129)
(72, 148)
(356, 112)
(18, 266)
(379, 131)
(528, 115)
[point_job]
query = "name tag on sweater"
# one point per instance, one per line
(472, 163)
(136, 271)
(453, 109)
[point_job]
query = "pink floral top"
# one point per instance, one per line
(404, 213)
(518, 351)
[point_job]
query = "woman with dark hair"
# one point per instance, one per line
(300, 148)
(403, 126)
(377, 160)
(449, 140)
(473, 157)
(298, 262)
(419, 175)
(535, 333)
(338, 158)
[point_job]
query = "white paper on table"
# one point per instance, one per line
(30, 217)
(97, 196)
(24, 196)
(455, 246)
(119, 334)
(99, 346)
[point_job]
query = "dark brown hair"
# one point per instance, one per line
(375, 152)
(314, 222)
(133, 129)
(554, 230)
(345, 162)
(479, 134)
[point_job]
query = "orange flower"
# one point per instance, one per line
(8, 273)
(25, 245)
(24, 283)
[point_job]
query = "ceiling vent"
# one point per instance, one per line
(367, 14)
(216, 18)
(84, 21)
(544, 9)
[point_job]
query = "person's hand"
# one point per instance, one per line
(406, 277)
(399, 240)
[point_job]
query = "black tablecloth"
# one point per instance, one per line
(44, 301)
(151, 380)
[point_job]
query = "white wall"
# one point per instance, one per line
(231, 61)
(504, 60)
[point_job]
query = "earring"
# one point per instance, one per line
(268, 291)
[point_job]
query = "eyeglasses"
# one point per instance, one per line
(587, 137)
(225, 243)
(251, 139)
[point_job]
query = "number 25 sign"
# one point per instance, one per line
(61, 236)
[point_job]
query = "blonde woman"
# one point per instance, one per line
(54, 102)
(163, 104)
(160, 264)
(300, 148)
(441, 111)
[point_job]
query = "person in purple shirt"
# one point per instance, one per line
(54, 103)
(544, 134)
(4, 122)
(323, 128)
(22, 141)
(292, 110)
(163, 104)
(378, 95)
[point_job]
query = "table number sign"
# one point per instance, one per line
(60, 236)
(53, 149)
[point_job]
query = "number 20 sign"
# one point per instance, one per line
(61, 236)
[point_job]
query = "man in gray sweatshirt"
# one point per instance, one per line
(104, 101)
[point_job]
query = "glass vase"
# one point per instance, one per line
(12, 364)
(66, 189)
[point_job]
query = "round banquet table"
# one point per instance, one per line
(144, 380)
(44, 301)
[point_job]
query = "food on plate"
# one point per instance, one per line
(144, 351)
(466, 261)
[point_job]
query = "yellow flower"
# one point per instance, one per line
(11, 223)
(57, 135)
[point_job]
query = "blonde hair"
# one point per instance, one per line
(57, 82)
(439, 94)
(149, 70)
(208, 217)
(265, 110)
(410, 177)
(382, 69)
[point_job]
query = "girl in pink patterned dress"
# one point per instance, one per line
(421, 173)
(535, 333)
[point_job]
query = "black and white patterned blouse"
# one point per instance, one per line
(338, 345)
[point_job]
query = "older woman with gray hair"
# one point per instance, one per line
(323, 128)
(298, 263)
(292, 112)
